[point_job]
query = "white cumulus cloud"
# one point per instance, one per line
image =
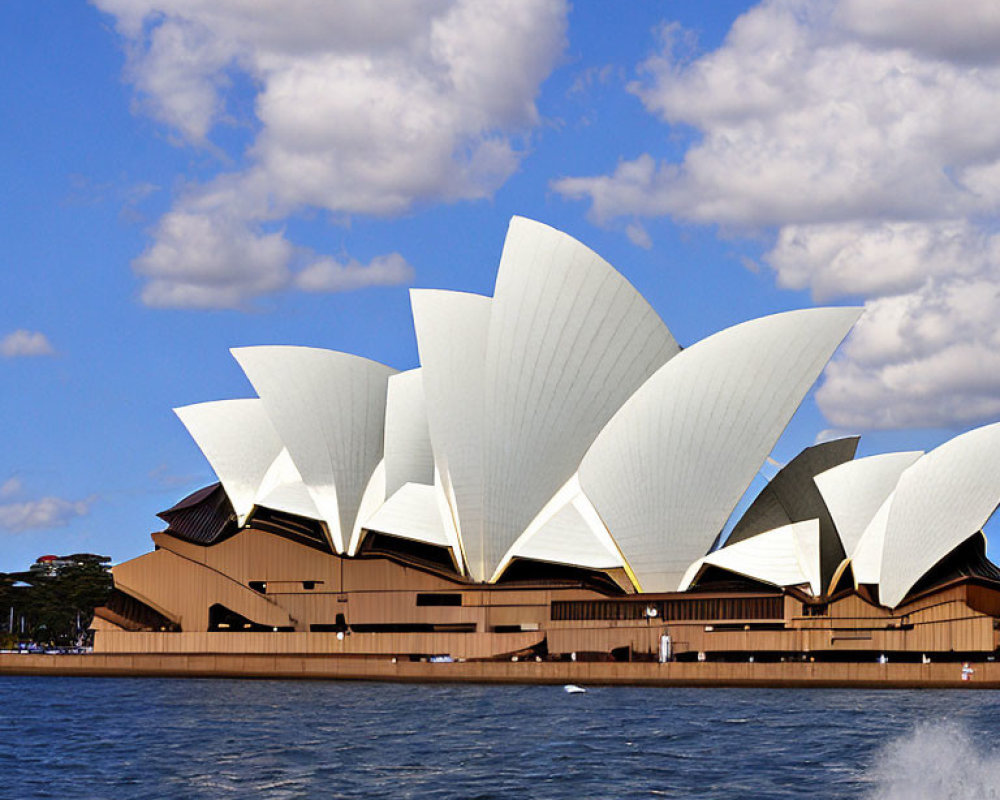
(11, 487)
(328, 275)
(862, 134)
(25, 344)
(46, 512)
(360, 108)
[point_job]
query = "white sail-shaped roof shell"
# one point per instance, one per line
(239, 441)
(452, 329)
(940, 502)
(412, 512)
(408, 454)
(329, 410)
(669, 468)
(371, 500)
(283, 490)
(854, 491)
(866, 558)
(785, 556)
(568, 530)
(571, 537)
(569, 341)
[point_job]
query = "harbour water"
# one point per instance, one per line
(184, 738)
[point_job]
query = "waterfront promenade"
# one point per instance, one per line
(708, 674)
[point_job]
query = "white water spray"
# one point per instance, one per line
(937, 761)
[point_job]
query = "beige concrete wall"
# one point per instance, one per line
(709, 674)
(183, 590)
(457, 645)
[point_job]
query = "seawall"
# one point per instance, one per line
(709, 674)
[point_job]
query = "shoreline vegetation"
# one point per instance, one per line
(51, 604)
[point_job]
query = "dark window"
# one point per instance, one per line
(340, 626)
(439, 599)
(258, 586)
(221, 618)
(297, 529)
(680, 609)
(136, 614)
(407, 551)
(415, 627)
(309, 585)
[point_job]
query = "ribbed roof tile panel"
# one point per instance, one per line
(853, 491)
(282, 489)
(411, 513)
(239, 441)
(566, 531)
(792, 496)
(569, 341)
(329, 410)
(786, 556)
(452, 330)
(866, 558)
(942, 500)
(408, 454)
(669, 468)
(568, 538)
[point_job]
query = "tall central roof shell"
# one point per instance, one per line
(568, 341)
(452, 330)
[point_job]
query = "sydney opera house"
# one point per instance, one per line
(556, 481)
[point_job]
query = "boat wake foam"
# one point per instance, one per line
(936, 761)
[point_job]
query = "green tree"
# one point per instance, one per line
(58, 602)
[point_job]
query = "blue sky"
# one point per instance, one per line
(184, 177)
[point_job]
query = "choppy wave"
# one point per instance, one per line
(938, 761)
(119, 739)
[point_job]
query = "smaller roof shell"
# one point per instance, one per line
(792, 496)
(568, 530)
(866, 559)
(411, 513)
(239, 441)
(855, 490)
(786, 556)
(282, 489)
(939, 503)
(408, 454)
(329, 411)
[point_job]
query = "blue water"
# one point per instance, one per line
(154, 738)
